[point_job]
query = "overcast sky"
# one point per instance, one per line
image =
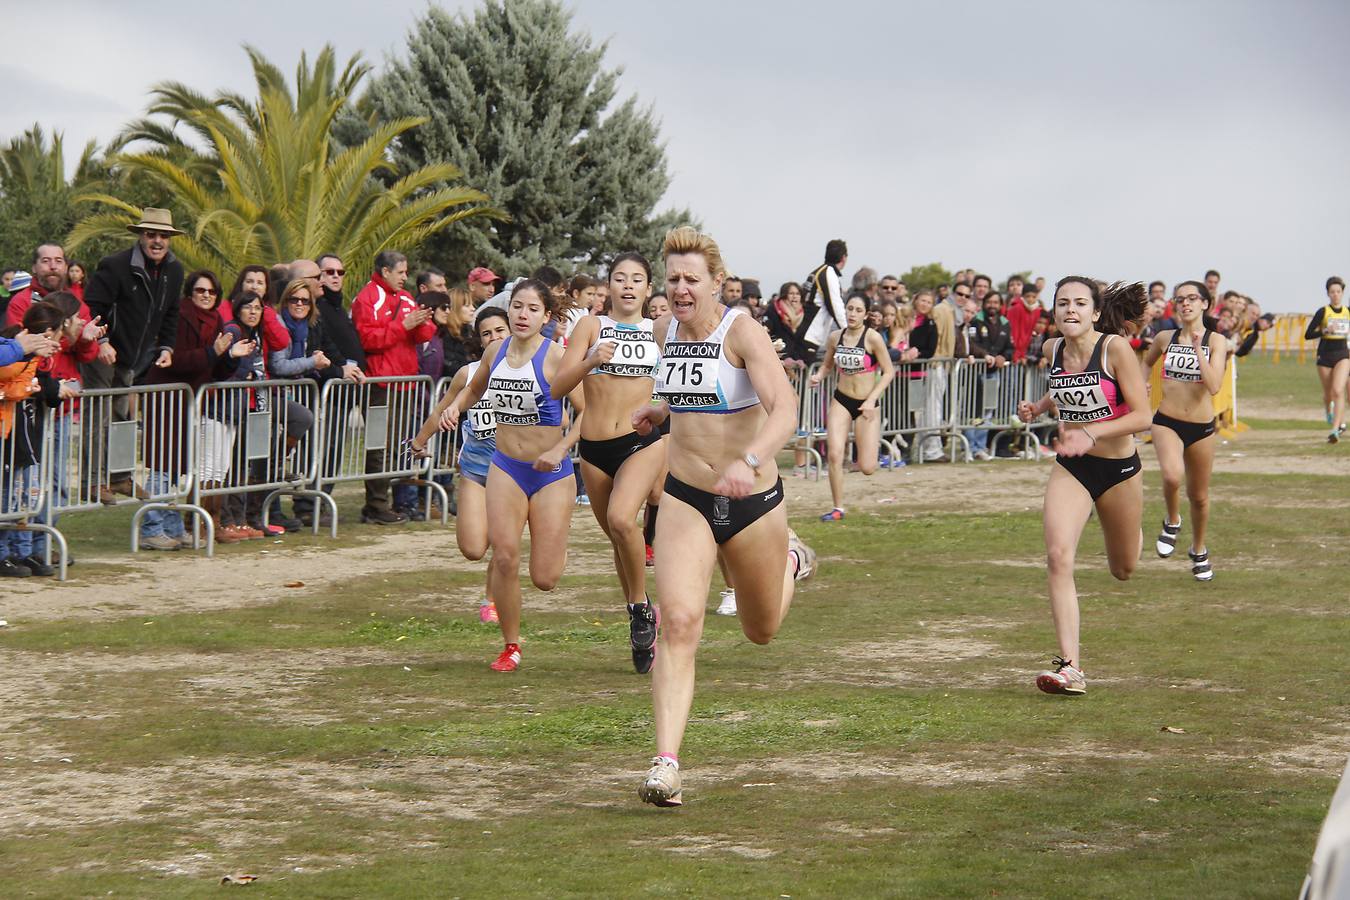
(1130, 140)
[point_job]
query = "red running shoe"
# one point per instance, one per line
(651, 558)
(509, 660)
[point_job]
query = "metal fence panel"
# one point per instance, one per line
(259, 438)
(365, 430)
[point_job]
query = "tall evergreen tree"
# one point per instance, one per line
(521, 104)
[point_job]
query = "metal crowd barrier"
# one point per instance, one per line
(120, 446)
(364, 432)
(935, 400)
(259, 438)
(25, 489)
(986, 397)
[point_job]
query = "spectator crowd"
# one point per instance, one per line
(138, 319)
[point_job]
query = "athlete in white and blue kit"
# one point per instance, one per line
(614, 357)
(731, 410)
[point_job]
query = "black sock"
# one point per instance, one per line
(649, 524)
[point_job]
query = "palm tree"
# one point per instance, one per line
(264, 181)
(36, 200)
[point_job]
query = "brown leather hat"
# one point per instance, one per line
(153, 219)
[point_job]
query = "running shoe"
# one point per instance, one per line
(487, 613)
(583, 500)
(728, 605)
(643, 622)
(1167, 538)
(1334, 437)
(806, 557)
(833, 515)
(661, 787)
(508, 660)
(1067, 679)
(1200, 566)
(651, 557)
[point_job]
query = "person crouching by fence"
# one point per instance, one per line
(26, 395)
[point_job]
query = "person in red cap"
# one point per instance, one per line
(482, 284)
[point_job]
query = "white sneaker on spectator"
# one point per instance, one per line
(982, 455)
(159, 542)
(728, 605)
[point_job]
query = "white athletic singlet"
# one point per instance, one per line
(1180, 362)
(696, 376)
(635, 354)
(481, 422)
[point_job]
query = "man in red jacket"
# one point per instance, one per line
(390, 325)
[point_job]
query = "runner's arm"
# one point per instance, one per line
(1133, 391)
(1211, 370)
(433, 422)
(575, 362)
(1315, 326)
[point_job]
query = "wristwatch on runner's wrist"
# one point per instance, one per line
(752, 461)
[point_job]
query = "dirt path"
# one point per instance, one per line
(187, 582)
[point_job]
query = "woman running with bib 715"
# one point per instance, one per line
(614, 358)
(731, 410)
(529, 479)
(857, 352)
(1193, 358)
(1101, 398)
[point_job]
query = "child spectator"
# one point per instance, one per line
(1035, 354)
(26, 395)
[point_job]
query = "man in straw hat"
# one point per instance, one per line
(135, 292)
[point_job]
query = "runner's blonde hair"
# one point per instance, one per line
(687, 239)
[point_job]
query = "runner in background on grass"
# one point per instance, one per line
(865, 371)
(614, 358)
(478, 436)
(1102, 401)
(733, 410)
(529, 479)
(653, 309)
(1193, 358)
(1331, 326)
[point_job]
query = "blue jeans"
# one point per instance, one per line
(60, 479)
(17, 544)
(978, 439)
(155, 522)
(406, 496)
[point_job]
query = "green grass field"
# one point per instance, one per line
(169, 720)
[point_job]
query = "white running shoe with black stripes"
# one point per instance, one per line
(1167, 538)
(1200, 566)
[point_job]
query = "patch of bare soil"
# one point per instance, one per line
(265, 683)
(705, 844)
(1325, 752)
(247, 809)
(188, 582)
